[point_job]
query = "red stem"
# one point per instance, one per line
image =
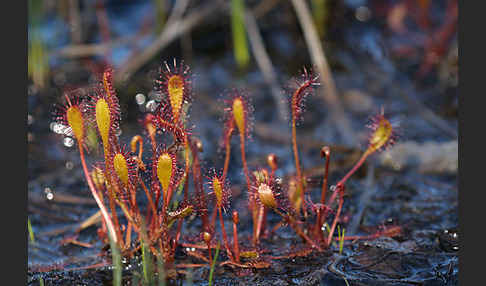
(236, 246)
(109, 188)
(227, 145)
(346, 177)
(297, 229)
(338, 213)
(225, 238)
(104, 213)
(253, 210)
(259, 224)
(323, 194)
(196, 171)
(356, 166)
(213, 217)
(149, 197)
(297, 166)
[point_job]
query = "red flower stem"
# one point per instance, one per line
(209, 251)
(319, 222)
(297, 165)
(187, 162)
(297, 229)
(179, 223)
(133, 193)
(225, 238)
(179, 228)
(346, 177)
(128, 235)
(264, 221)
(213, 217)
(324, 180)
(226, 159)
(236, 246)
(243, 159)
(259, 224)
(152, 141)
(338, 213)
(109, 188)
(227, 145)
(252, 199)
(198, 185)
(168, 196)
(101, 206)
(127, 214)
(149, 197)
(112, 206)
(103, 224)
(356, 167)
(186, 184)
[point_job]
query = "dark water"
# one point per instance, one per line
(419, 194)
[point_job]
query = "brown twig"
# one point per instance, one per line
(170, 33)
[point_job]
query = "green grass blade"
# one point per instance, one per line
(320, 16)
(117, 264)
(147, 265)
(240, 44)
(213, 264)
(341, 239)
(31, 232)
(160, 15)
(147, 257)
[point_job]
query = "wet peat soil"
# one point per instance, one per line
(419, 196)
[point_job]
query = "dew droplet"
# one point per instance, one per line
(30, 119)
(68, 142)
(151, 105)
(69, 165)
(68, 131)
(363, 14)
(49, 193)
(57, 128)
(140, 99)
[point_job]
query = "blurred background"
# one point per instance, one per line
(401, 55)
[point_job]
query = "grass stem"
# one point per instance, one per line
(213, 264)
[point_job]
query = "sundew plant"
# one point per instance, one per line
(164, 159)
